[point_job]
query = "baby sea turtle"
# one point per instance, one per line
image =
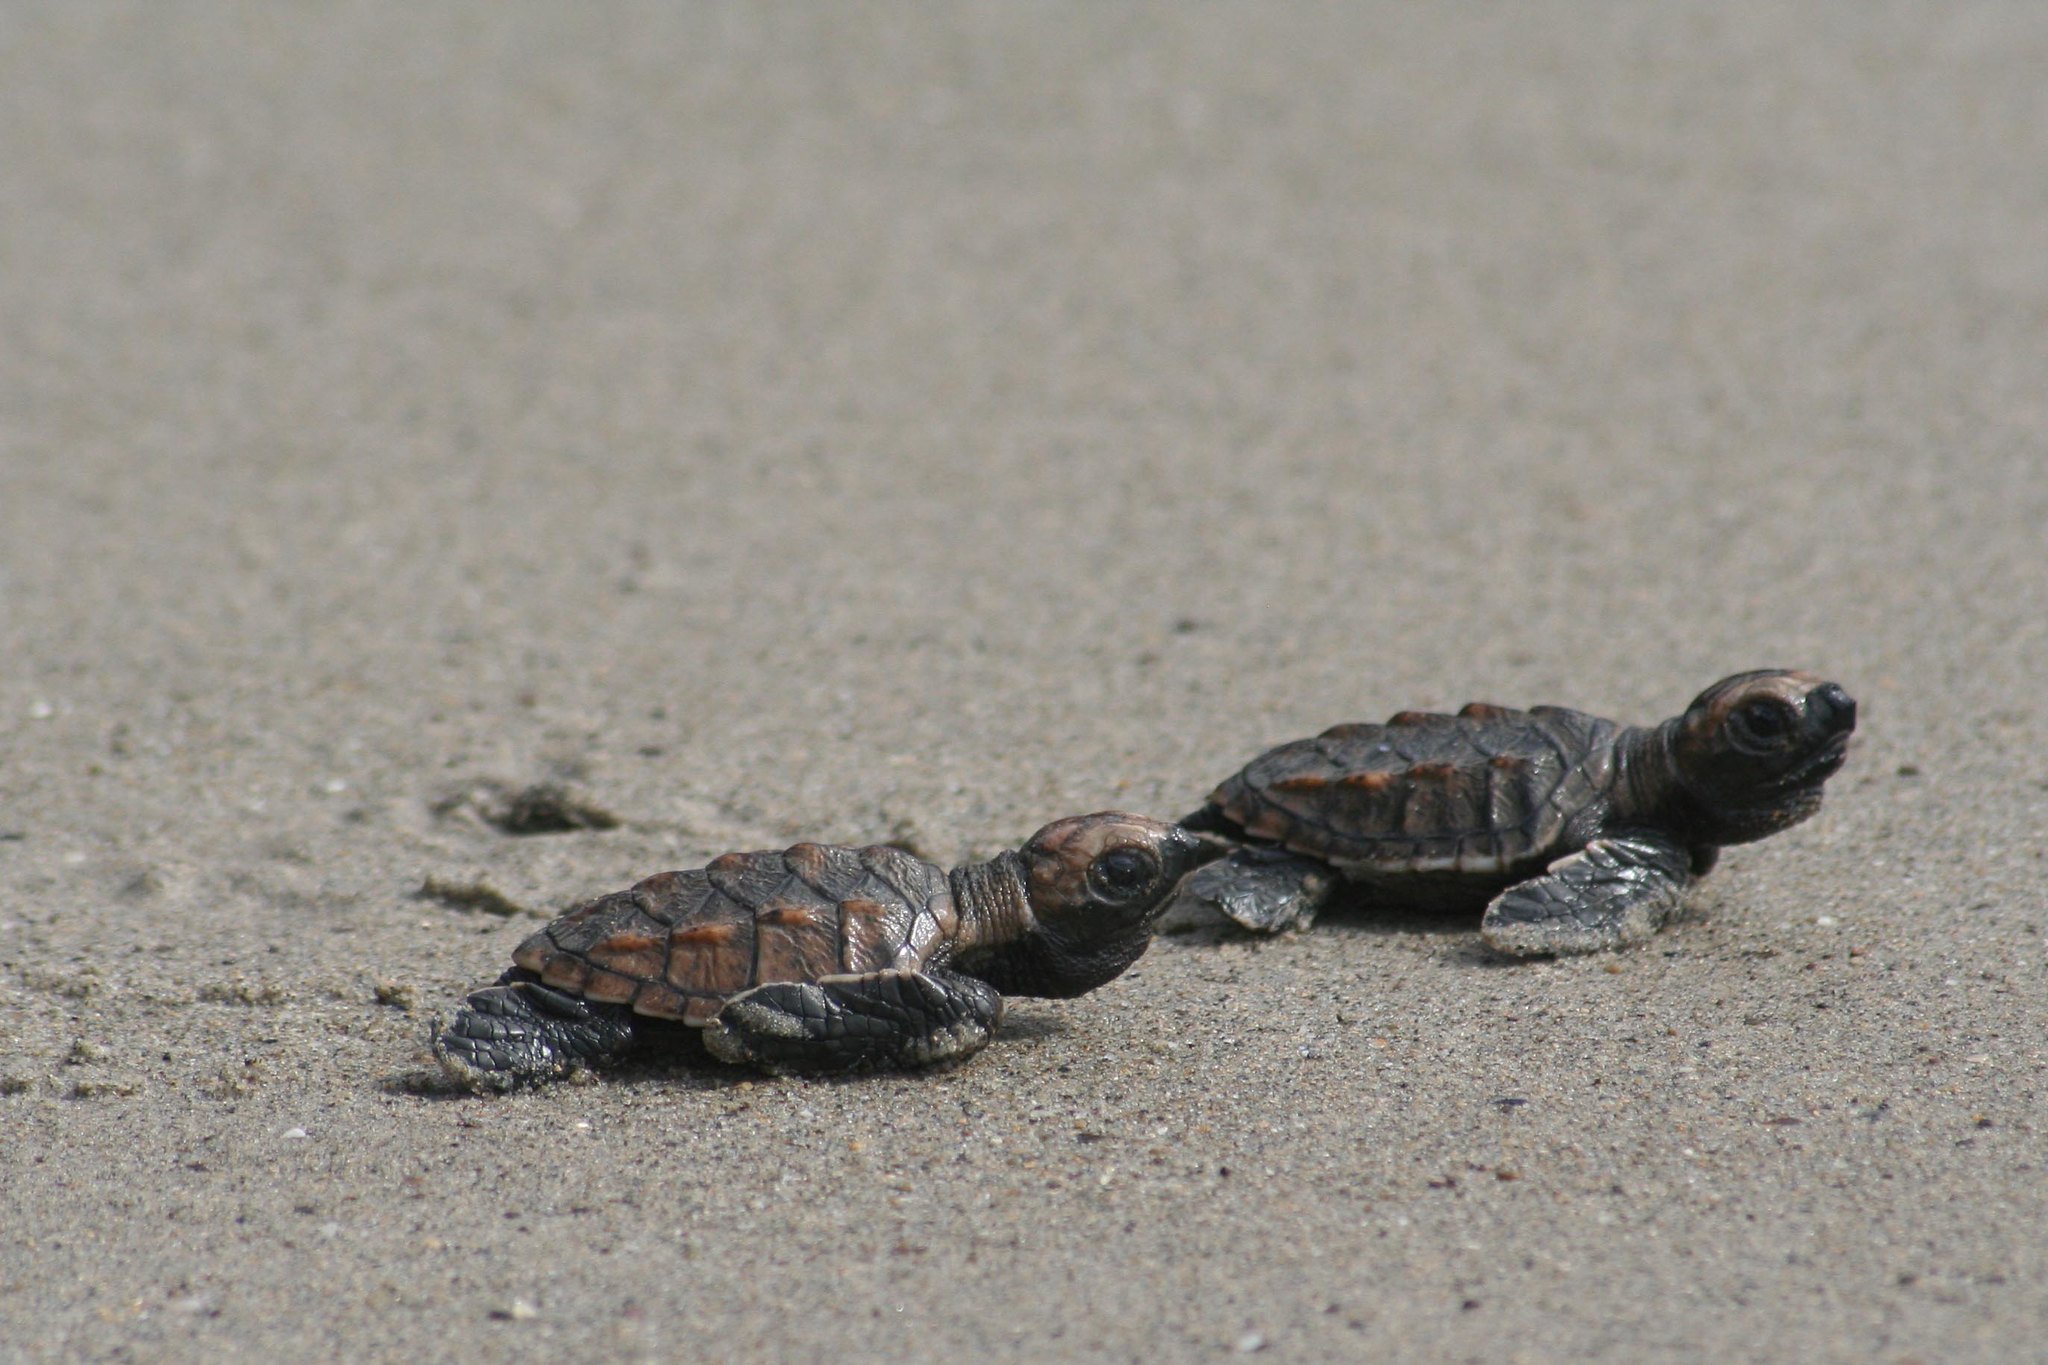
(822, 958)
(1575, 832)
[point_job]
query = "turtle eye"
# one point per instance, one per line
(1123, 874)
(1766, 722)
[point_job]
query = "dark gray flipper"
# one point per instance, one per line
(1614, 891)
(842, 1023)
(519, 1032)
(1264, 889)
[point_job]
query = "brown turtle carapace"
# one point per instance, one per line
(822, 958)
(1575, 833)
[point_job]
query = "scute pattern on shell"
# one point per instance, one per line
(1484, 791)
(678, 945)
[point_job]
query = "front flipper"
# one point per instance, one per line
(1613, 891)
(842, 1023)
(1264, 889)
(519, 1032)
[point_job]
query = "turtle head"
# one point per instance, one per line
(1095, 885)
(1752, 751)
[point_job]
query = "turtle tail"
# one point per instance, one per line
(519, 1032)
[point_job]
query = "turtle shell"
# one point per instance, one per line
(679, 944)
(1487, 792)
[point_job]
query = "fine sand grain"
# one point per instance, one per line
(916, 423)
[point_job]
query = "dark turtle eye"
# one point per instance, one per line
(1123, 873)
(1766, 721)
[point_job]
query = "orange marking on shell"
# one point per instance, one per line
(652, 893)
(1433, 772)
(711, 957)
(1268, 824)
(785, 914)
(1372, 781)
(609, 988)
(1484, 710)
(699, 1010)
(864, 924)
(645, 965)
(564, 972)
(623, 944)
(1414, 718)
(728, 862)
(807, 860)
(533, 954)
(1307, 782)
(1508, 762)
(796, 949)
(659, 1002)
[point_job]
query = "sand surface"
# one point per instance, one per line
(898, 423)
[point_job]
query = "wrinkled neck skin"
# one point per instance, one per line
(1003, 943)
(1646, 786)
(992, 904)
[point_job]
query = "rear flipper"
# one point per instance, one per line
(1264, 889)
(843, 1023)
(520, 1032)
(1614, 891)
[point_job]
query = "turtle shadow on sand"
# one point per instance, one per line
(678, 1060)
(1350, 911)
(1036, 1025)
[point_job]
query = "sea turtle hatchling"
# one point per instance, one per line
(1575, 833)
(822, 958)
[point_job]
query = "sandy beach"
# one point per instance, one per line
(863, 423)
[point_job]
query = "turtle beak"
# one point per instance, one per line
(1831, 710)
(1830, 720)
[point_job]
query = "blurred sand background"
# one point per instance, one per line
(916, 423)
